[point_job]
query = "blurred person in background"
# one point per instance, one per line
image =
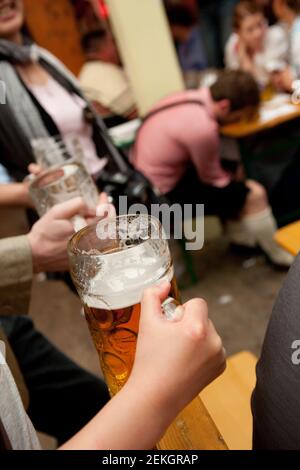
(253, 46)
(103, 78)
(43, 99)
(288, 12)
(183, 23)
(215, 28)
(178, 149)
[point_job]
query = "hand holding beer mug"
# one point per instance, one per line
(62, 183)
(174, 362)
(112, 263)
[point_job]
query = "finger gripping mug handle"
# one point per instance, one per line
(172, 309)
(78, 223)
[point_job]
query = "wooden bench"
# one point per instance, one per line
(220, 418)
(289, 238)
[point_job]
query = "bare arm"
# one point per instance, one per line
(15, 195)
(128, 421)
(246, 62)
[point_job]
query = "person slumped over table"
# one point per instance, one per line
(178, 149)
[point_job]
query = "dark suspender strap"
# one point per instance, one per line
(169, 106)
(4, 440)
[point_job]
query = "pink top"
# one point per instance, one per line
(66, 110)
(184, 134)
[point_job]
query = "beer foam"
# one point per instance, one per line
(125, 275)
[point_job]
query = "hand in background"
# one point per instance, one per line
(34, 169)
(49, 237)
(283, 80)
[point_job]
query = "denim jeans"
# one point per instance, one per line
(215, 28)
(63, 396)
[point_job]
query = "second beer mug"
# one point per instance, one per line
(60, 184)
(112, 263)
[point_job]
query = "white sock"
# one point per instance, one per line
(237, 233)
(262, 227)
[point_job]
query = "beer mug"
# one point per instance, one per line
(112, 263)
(52, 151)
(60, 184)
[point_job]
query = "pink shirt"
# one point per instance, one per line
(66, 110)
(169, 141)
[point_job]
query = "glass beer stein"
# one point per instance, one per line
(112, 263)
(60, 184)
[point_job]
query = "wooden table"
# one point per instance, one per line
(220, 417)
(289, 238)
(193, 429)
(247, 128)
(268, 146)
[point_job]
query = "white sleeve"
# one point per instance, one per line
(231, 56)
(295, 53)
(276, 55)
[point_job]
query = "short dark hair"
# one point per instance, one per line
(293, 5)
(179, 15)
(239, 87)
(90, 41)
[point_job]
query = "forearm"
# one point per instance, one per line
(14, 194)
(248, 66)
(128, 421)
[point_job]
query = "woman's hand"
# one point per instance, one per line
(283, 80)
(175, 360)
(245, 59)
(34, 169)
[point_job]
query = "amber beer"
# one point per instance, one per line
(114, 334)
(111, 276)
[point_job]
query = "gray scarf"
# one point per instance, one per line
(17, 99)
(16, 131)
